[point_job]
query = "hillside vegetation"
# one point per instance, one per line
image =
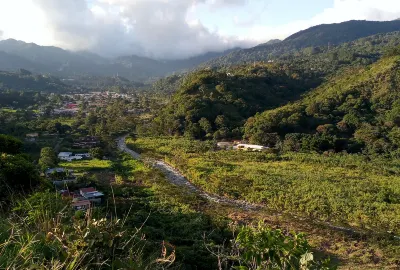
(314, 37)
(359, 110)
(217, 103)
(347, 190)
(25, 80)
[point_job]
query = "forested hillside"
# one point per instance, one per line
(313, 39)
(25, 80)
(354, 111)
(217, 103)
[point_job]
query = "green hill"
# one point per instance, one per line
(359, 109)
(25, 80)
(217, 103)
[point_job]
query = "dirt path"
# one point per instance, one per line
(176, 178)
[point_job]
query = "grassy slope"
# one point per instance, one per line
(344, 189)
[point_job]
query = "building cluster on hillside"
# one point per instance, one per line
(84, 198)
(92, 99)
(97, 96)
(239, 145)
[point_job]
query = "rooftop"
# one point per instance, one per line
(87, 190)
(65, 154)
(81, 203)
(58, 170)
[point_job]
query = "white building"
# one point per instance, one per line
(69, 156)
(62, 155)
(250, 147)
(84, 155)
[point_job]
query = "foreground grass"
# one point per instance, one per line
(351, 190)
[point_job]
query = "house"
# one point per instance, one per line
(91, 194)
(60, 176)
(54, 170)
(83, 155)
(69, 156)
(31, 137)
(81, 205)
(71, 106)
(82, 191)
(224, 145)
(250, 147)
(86, 142)
(64, 155)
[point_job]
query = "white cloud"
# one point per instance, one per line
(157, 28)
(342, 10)
(161, 28)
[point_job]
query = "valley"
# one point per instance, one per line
(281, 156)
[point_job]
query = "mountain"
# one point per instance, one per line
(322, 62)
(358, 109)
(217, 101)
(16, 54)
(146, 67)
(270, 42)
(24, 80)
(326, 35)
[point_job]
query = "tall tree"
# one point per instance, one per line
(47, 158)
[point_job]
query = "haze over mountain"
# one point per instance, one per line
(56, 61)
(16, 54)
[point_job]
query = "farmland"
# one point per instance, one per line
(346, 189)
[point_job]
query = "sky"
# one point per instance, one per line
(175, 29)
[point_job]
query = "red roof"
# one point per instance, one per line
(81, 203)
(86, 190)
(71, 106)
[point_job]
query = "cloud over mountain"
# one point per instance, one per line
(156, 28)
(167, 28)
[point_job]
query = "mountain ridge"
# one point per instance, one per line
(17, 54)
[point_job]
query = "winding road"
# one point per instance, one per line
(176, 178)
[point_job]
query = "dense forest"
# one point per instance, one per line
(216, 103)
(357, 111)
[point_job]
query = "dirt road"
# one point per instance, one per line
(176, 178)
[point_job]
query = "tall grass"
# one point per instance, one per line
(44, 233)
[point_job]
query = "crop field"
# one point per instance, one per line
(86, 165)
(354, 190)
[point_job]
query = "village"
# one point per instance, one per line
(90, 100)
(72, 166)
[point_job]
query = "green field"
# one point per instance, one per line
(360, 191)
(8, 110)
(86, 165)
